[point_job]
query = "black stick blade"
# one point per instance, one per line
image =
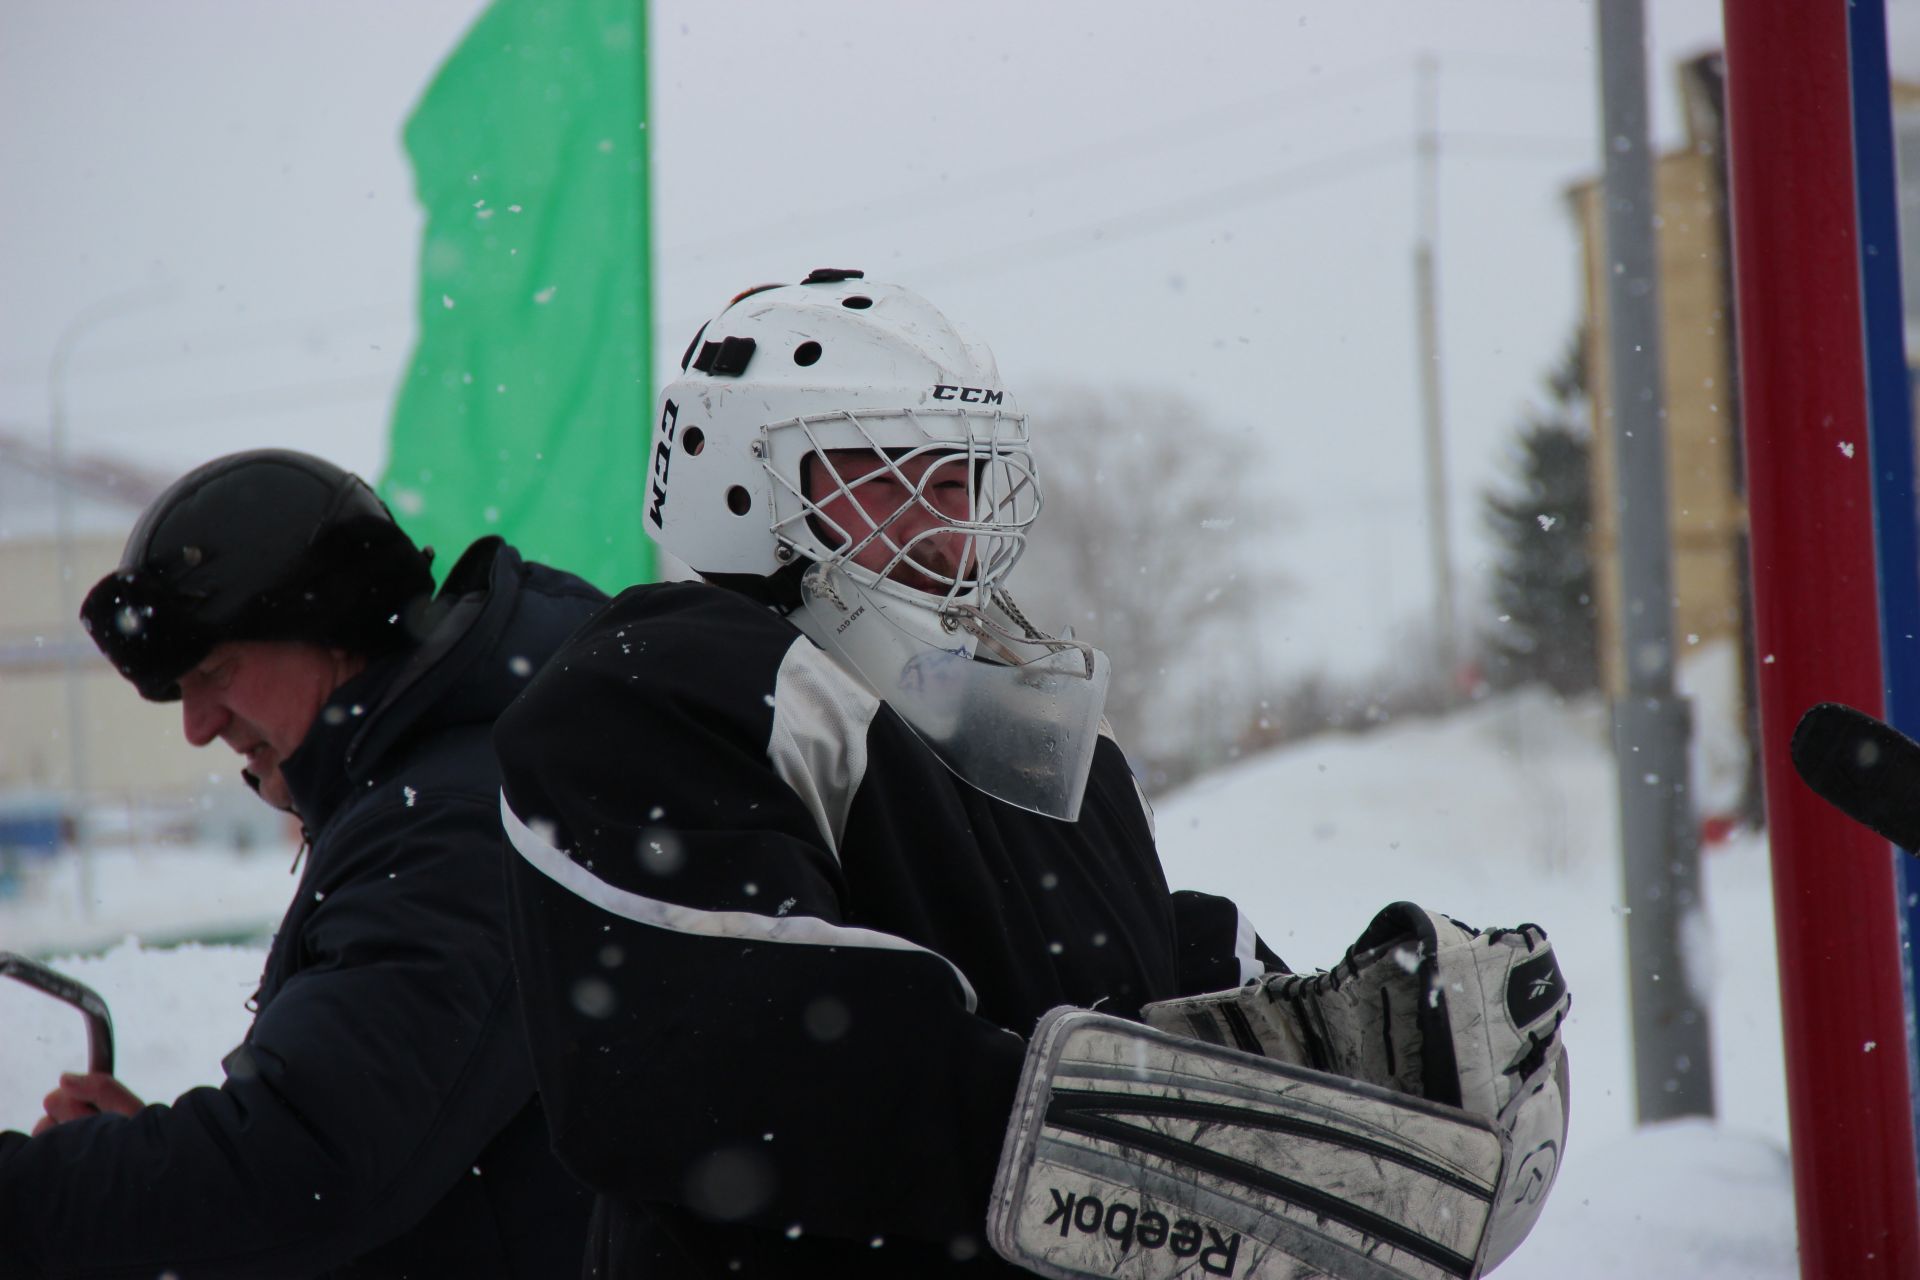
(1864, 767)
(69, 991)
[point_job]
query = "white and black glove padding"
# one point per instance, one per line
(1423, 1005)
(1138, 1154)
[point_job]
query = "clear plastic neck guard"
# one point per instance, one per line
(1014, 715)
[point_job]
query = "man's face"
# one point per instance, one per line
(942, 482)
(260, 697)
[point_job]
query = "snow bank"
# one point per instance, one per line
(1686, 1198)
(1507, 812)
(159, 892)
(175, 1014)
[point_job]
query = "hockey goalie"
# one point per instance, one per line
(1400, 1115)
(844, 944)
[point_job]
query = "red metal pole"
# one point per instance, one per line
(1803, 392)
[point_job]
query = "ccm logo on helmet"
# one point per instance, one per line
(971, 395)
(662, 456)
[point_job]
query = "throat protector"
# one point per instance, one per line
(1015, 716)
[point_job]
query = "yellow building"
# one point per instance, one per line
(1705, 477)
(137, 779)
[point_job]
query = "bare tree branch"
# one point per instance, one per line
(1156, 544)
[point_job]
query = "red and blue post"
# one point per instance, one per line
(1810, 154)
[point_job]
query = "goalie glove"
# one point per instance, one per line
(1147, 1156)
(1423, 1005)
(1420, 1003)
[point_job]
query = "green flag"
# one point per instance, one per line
(526, 408)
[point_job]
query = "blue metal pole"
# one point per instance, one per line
(1896, 517)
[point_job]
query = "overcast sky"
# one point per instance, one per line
(210, 202)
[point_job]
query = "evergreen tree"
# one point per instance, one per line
(1543, 586)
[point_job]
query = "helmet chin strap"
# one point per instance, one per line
(1001, 642)
(967, 623)
(930, 619)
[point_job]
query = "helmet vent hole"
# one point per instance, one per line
(806, 353)
(739, 501)
(858, 302)
(694, 441)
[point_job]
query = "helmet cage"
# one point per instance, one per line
(1003, 493)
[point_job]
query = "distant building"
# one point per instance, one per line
(1705, 478)
(137, 779)
(1706, 475)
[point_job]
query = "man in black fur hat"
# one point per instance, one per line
(380, 1118)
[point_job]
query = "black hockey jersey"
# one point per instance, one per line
(778, 962)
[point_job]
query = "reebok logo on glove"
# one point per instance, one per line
(1533, 988)
(1134, 1224)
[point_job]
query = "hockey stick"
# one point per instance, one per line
(1862, 766)
(78, 994)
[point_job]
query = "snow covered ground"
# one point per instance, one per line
(163, 894)
(1507, 813)
(1503, 813)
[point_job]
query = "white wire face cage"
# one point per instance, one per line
(915, 449)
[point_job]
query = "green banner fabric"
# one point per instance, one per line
(525, 411)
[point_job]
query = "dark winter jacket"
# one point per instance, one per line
(379, 1120)
(779, 962)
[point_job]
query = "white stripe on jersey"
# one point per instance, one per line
(1243, 939)
(803, 930)
(1146, 807)
(819, 740)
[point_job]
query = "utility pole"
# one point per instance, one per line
(1660, 856)
(1426, 238)
(70, 644)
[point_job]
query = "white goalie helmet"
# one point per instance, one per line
(794, 372)
(813, 423)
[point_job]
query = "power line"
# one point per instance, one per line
(253, 402)
(1571, 72)
(994, 184)
(1055, 244)
(1247, 113)
(1538, 145)
(127, 355)
(1127, 147)
(1096, 235)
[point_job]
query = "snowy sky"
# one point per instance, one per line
(209, 201)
